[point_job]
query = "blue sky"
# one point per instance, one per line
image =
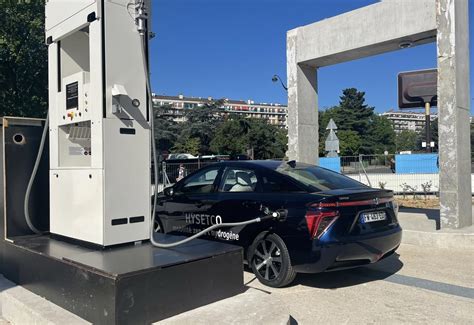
(232, 48)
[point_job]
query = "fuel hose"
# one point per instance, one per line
(26, 201)
(204, 231)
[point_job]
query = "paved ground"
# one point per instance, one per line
(420, 285)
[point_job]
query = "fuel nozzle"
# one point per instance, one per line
(279, 214)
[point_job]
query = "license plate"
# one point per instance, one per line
(367, 217)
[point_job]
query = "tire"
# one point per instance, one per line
(270, 261)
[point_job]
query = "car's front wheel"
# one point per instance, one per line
(270, 261)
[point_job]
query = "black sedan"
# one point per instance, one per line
(326, 221)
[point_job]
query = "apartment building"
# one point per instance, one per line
(274, 114)
(402, 120)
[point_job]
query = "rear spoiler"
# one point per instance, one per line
(375, 201)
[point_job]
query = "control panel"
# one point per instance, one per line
(75, 102)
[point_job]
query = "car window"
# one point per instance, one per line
(201, 182)
(273, 184)
(239, 180)
(319, 179)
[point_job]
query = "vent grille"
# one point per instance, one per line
(80, 133)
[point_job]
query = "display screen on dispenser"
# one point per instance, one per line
(72, 91)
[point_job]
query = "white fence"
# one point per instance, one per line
(395, 182)
(390, 181)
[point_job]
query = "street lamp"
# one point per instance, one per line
(276, 78)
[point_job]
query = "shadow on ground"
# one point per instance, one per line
(431, 214)
(351, 277)
(5, 285)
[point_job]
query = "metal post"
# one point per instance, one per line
(428, 126)
(363, 169)
(166, 180)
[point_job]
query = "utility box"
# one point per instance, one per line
(99, 122)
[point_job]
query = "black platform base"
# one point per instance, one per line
(136, 284)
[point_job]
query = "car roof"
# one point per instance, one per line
(270, 164)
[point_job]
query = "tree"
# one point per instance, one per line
(374, 134)
(406, 140)
(268, 141)
(167, 129)
(349, 142)
(381, 136)
(353, 114)
(231, 137)
(238, 134)
(187, 145)
(23, 59)
(202, 123)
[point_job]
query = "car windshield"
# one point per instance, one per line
(319, 179)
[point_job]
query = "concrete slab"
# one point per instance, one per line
(370, 30)
(415, 286)
(20, 306)
(252, 307)
(421, 227)
(418, 220)
(440, 239)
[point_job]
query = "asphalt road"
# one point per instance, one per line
(417, 286)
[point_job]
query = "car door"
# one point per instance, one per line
(189, 208)
(279, 193)
(238, 196)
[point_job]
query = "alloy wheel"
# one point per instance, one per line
(267, 259)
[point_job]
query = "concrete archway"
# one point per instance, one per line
(377, 29)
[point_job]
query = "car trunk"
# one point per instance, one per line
(361, 211)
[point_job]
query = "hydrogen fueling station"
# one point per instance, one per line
(78, 195)
(80, 188)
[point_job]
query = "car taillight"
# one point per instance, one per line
(318, 221)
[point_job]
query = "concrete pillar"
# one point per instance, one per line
(302, 106)
(454, 112)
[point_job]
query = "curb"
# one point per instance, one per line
(444, 240)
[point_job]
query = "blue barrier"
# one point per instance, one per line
(331, 163)
(416, 164)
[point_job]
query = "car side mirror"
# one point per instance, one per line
(169, 191)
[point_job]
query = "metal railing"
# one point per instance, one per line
(419, 175)
(379, 171)
(169, 171)
(370, 164)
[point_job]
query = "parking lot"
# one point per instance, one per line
(417, 285)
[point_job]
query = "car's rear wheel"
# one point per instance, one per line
(270, 261)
